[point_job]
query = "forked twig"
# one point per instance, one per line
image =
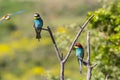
(59, 55)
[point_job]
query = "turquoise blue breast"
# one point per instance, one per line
(38, 23)
(79, 52)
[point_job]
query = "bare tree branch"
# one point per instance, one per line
(62, 67)
(77, 36)
(89, 66)
(55, 45)
(60, 56)
(89, 72)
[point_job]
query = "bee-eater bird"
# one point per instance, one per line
(38, 24)
(80, 54)
(8, 16)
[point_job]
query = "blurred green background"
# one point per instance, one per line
(22, 57)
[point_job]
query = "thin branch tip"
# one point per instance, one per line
(94, 65)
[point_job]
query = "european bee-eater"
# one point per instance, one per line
(8, 16)
(80, 54)
(38, 24)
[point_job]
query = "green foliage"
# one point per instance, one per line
(107, 22)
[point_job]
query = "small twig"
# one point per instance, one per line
(94, 65)
(77, 36)
(55, 45)
(45, 29)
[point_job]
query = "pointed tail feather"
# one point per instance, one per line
(39, 33)
(80, 61)
(39, 36)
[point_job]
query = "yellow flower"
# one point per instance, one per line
(61, 30)
(38, 70)
(32, 73)
(5, 49)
